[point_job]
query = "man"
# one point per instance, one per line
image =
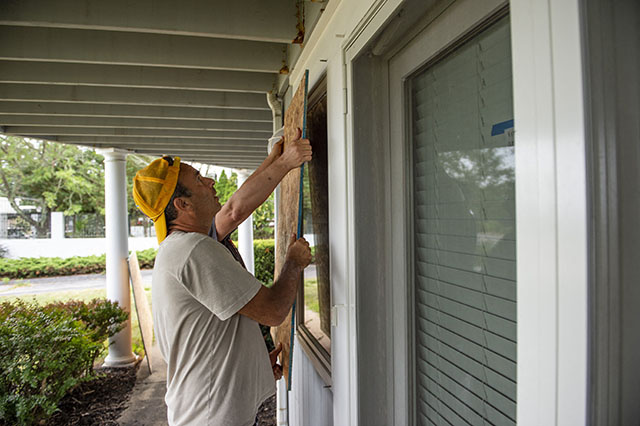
(206, 306)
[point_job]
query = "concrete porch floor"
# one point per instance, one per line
(146, 405)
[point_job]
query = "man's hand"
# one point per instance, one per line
(273, 357)
(299, 252)
(271, 305)
(297, 152)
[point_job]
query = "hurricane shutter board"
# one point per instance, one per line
(288, 211)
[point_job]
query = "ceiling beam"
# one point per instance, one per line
(196, 155)
(121, 48)
(263, 129)
(176, 150)
(135, 76)
(239, 154)
(178, 141)
(268, 20)
(242, 152)
(135, 133)
(119, 95)
(59, 109)
(219, 159)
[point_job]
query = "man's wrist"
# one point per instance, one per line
(281, 164)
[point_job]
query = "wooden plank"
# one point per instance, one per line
(288, 211)
(145, 319)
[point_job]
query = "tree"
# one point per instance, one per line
(262, 217)
(54, 176)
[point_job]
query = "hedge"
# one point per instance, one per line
(264, 260)
(33, 267)
(45, 351)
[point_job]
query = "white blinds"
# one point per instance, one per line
(464, 224)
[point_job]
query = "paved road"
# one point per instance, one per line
(78, 282)
(73, 282)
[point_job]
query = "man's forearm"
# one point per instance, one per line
(273, 156)
(255, 191)
(285, 288)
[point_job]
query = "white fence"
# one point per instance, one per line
(68, 247)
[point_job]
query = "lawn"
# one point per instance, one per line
(311, 294)
(86, 295)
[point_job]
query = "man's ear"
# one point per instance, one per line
(181, 204)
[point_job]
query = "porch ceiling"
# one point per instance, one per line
(186, 77)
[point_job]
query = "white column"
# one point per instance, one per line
(57, 225)
(245, 230)
(115, 182)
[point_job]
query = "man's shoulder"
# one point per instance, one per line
(182, 245)
(179, 245)
(179, 239)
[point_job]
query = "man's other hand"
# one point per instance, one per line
(273, 357)
(297, 152)
(299, 252)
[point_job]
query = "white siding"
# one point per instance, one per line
(310, 401)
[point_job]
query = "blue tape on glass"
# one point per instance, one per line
(500, 128)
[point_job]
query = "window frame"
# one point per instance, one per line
(317, 354)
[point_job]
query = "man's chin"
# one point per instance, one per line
(218, 207)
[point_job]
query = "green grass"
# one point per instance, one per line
(86, 295)
(311, 294)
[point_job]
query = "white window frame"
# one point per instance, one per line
(551, 212)
(448, 29)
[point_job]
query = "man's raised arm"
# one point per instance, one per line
(261, 184)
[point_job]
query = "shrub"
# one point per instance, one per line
(47, 350)
(101, 319)
(264, 260)
(33, 267)
(147, 258)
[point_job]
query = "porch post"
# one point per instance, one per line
(245, 230)
(116, 230)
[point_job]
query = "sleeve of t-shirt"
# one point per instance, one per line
(216, 280)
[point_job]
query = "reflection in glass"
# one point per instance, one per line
(316, 314)
(464, 234)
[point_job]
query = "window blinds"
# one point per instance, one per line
(464, 235)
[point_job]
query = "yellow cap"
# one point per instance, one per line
(153, 187)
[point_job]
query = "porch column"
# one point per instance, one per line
(245, 230)
(116, 232)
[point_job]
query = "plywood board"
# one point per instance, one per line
(145, 319)
(294, 118)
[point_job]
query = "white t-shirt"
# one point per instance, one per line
(218, 369)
